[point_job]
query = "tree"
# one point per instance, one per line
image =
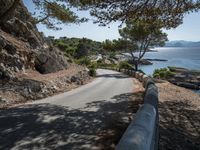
(169, 12)
(142, 35)
(48, 12)
(107, 45)
(82, 49)
(54, 12)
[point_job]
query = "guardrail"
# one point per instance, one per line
(143, 131)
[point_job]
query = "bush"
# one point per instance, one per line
(112, 55)
(83, 61)
(125, 65)
(103, 65)
(100, 61)
(92, 72)
(93, 65)
(172, 69)
(163, 73)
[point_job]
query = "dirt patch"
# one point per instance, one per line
(179, 111)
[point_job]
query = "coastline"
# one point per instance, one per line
(184, 57)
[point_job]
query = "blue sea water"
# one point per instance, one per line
(186, 57)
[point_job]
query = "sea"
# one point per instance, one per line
(186, 57)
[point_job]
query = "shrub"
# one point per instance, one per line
(100, 61)
(112, 55)
(92, 65)
(92, 72)
(83, 61)
(170, 74)
(163, 73)
(156, 75)
(172, 69)
(100, 64)
(125, 65)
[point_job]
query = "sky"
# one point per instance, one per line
(189, 30)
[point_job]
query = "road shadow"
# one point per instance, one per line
(117, 76)
(179, 126)
(46, 126)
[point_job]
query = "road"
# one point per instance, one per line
(93, 116)
(108, 84)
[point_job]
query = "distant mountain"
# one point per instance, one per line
(182, 44)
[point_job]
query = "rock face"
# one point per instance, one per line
(23, 47)
(23, 50)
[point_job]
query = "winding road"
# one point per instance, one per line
(93, 116)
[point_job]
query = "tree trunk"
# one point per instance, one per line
(136, 66)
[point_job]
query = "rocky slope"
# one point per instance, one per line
(185, 78)
(30, 67)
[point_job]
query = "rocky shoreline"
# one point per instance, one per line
(185, 78)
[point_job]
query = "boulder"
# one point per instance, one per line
(49, 62)
(74, 79)
(32, 85)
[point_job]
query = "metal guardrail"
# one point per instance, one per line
(143, 132)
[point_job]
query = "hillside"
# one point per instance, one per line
(30, 66)
(182, 44)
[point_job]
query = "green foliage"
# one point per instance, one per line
(78, 48)
(125, 65)
(163, 73)
(142, 35)
(172, 69)
(82, 50)
(116, 46)
(92, 72)
(112, 55)
(99, 61)
(53, 13)
(169, 13)
(68, 46)
(83, 61)
(100, 64)
(107, 45)
(93, 65)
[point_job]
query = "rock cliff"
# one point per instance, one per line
(25, 46)
(26, 57)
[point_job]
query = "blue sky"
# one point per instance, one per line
(189, 30)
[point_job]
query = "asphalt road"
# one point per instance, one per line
(108, 84)
(93, 116)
